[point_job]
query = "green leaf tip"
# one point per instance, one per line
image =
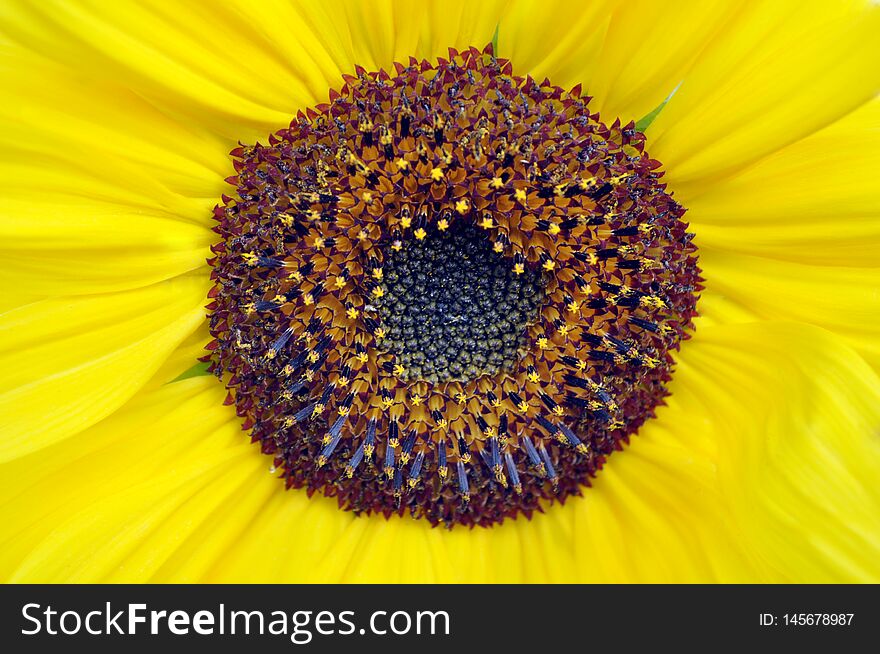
(645, 121)
(198, 370)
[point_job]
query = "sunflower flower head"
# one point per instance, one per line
(448, 268)
(451, 291)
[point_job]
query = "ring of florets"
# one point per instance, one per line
(450, 291)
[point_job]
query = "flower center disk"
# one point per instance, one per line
(453, 309)
(451, 292)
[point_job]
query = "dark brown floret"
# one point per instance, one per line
(451, 292)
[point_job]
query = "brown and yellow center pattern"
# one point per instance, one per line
(448, 291)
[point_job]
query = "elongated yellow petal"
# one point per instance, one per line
(106, 131)
(67, 246)
(841, 299)
(70, 362)
(101, 192)
(797, 470)
(628, 55)
(177, 442)
(780, 71)
(551, 40)
(649, 49)
(382, 32)
(241, 69)
(184, 358)
(814, 202)
(116, 42)
(10, 299)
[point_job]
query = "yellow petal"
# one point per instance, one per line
(382, 32)
(102, 492)
(551, 39)
(69, 362)
(199, 63)
(239, 68)
(101, 191)
(780, 71)
(649, 49)
(629, 56)
(795, 416)
(11, 299)
(65, 246)
(184, 357)
(106, 132)
(816, 201)
(841, 299)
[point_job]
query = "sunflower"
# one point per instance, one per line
(446, 292)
